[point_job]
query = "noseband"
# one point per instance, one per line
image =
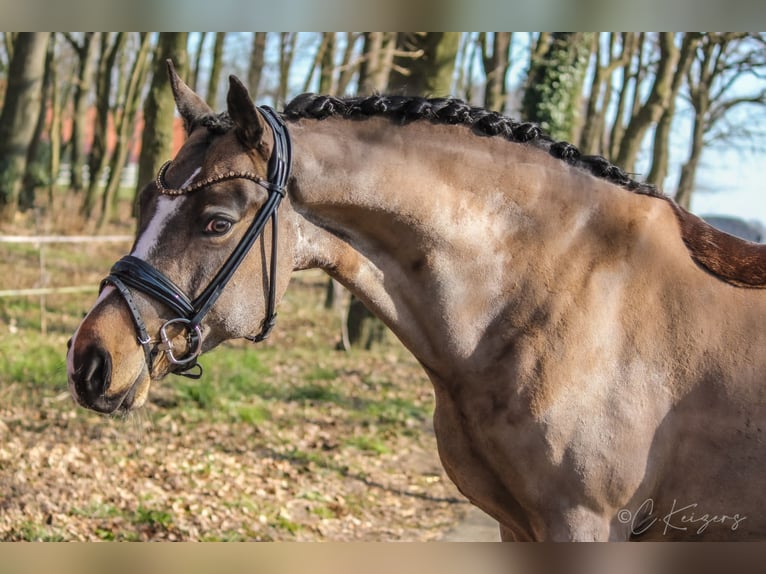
(133, 273)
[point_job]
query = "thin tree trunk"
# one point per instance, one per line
(496, 67)
(287, 42)
(347, 69)
(85, 53)
(194, 71)
(215, 70)
(22, 101)
(327, 64)
(424, 63)
(131, 99)
(54, 164)
(630, 45)
(32, 179)
(656, 103)
(110, 48)
(159, 108)
(661, 149)
(256, 64)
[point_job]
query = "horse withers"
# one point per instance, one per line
(596, 352)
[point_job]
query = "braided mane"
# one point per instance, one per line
(406, 109)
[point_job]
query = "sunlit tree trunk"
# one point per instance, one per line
(195, 67)
(111, 45)
(287, 41)
(22, 102)
(159, 107)
(34, 170)
(347, 67)
(631, 50)
(661, 148)
(377, 59)
(650, 111)
(553, 91)
(215, 70)
(256, 64)
(124, 122)
(424, 63)
(496, 63)
(85, 51)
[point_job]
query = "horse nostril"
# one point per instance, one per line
(94, 374)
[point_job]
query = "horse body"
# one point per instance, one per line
(592, 382)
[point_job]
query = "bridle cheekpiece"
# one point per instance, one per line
(131, 272)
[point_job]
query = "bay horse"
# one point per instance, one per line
(596, 352)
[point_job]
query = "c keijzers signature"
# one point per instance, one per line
(684, 518)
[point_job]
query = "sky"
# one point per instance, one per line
(738, 184)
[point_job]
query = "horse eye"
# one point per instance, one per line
(217, 226)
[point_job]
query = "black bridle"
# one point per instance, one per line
(133, 273)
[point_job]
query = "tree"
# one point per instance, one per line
(496, 62)
(554, 84)
(606, 62)
(214, 80)
(22, 103)
(159, 107)
(111, 45)
(287, 42)
(85, 50)
(720, 60)
(424, 63)
(650, 111)
(256, 63)
(129, 99)
(377, 59)
(661, 147)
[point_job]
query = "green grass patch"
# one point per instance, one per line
(368, 443)
(253, 414)
(34, 360)
(153, 518)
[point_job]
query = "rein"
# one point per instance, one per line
(132, 272)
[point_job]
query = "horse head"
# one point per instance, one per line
(204, 265)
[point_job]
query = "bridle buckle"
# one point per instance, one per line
(193, 341)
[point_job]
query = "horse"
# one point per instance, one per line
(596, 352)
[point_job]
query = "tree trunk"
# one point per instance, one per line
(85, 54)
(375, 69)
(159, 108)
(631, 46)
(327, 64)
(129, 103)
(496, 67)
(194, 69)
(554, 85)
(651, 111)
(34, 170)
(22, 101)
(97, 162)
(214, 81)
(661, 149)
(287, 42)
(256, 64)
(347, 69)
(424, 63)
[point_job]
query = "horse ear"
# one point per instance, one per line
(249, 123)
(189, 104)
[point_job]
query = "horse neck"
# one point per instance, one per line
(432, 227)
